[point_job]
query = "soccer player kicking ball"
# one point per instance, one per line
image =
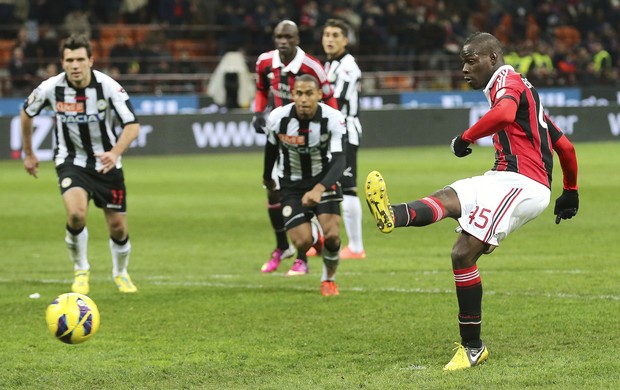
(489, 207)
(307, 140)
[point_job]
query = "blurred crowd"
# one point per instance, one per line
(555, 42)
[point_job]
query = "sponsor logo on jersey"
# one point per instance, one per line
(82, 118)
(69, 107)
(113, 206)
(292, 139)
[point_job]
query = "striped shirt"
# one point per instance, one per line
(305, 146)
(346, 78)
(84, 120)
(525, 145)
(278, 78)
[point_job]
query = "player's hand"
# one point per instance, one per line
(269, 184)
(566, 205)
(108, 161)
(459, 147)
(258, 122)
(31, 165)
(313, 197)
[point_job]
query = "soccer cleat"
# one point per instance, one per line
(347, 253)
(299, 268)
(329, 288)
(378, 202)
(124, 284)
(276, 257)
(466, 357)
(80, 282)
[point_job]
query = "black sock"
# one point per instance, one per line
(75, 232)
(418, 212)
(469, 296)
(277, 222)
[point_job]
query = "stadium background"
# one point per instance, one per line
(169, 56)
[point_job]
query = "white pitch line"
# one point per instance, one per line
(158, 281)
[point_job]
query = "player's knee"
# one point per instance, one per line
(76, 219)
(462, 257)
(332, 242)
(302, 243)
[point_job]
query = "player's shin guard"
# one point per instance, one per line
(469, 295)
(277, 223)
(419, 212)
(120, 251)
(331, 259)
(77, 244)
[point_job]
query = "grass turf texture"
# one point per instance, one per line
(205, 317)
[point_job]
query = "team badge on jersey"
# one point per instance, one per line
(66, 182)
(101, 104)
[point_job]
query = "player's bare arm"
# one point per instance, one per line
(31, 162)
(108, 159)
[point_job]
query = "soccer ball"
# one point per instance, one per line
(72, 318)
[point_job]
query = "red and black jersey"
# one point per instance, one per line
(278, 78)
(524, 142)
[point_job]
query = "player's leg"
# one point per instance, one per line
(282, 250)
(465, 253)
(300, 231)
(110, 195)
(328, 214)
(75, 200)
(120, 249)
(330, 222)
(352, 208)
(421, 212)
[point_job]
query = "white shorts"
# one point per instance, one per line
(497, 203)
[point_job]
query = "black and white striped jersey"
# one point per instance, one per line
(305, 146)
(84, 117)
(346, 78)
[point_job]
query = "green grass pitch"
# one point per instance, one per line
(206, 318)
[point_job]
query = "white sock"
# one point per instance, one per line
(77, 246)
(120, 257)
(352, 217)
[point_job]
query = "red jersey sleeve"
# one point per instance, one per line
(566, 153)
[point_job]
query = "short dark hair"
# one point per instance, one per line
(76, 41)
(338, 23)
(308, 78)
(485, 43)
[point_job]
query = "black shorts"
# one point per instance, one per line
(106, 190)
(349, 177)
(295, 214)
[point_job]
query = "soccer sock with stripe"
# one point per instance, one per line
(277, 222)
(418, 212)
(469, 295)
(331, 259)
(120, 255)
(77, 244)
